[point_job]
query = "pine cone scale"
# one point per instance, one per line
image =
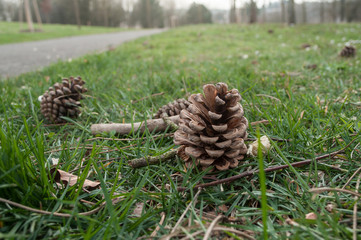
(173, 108)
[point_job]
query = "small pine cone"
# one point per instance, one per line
(213, 128)
(348, 51)
(173, 108)
(63, 99)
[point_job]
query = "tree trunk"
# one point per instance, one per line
(322, 11)
(264, 12)
(232, 14)
(21, 13)
(37, 13)
(149, 13)
(342, 10)
(77, 13)
(105, 13)
(304, 12)
(283, 11)
(29, 20)
(253, 16)
(291, 14)
(334, 10)
(239, 15)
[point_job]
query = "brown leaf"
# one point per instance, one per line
(330, 207)
(137, 212)
(64, 178)
(223, 208)
(290, 221)
(311, 216)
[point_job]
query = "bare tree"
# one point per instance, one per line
(105, 13)
(334, 10)
(291, 12)
(232, 13)
(264, 12)
(21, 13)
(304, 12)
(342, 10)
(322, 11)
(149, 13)
(170, 16)
(29, 19)
(283, 11)
(253, 10)
(37, 13)
(45, 6)
(77, 13)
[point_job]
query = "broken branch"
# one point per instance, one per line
(153, 125)
(270, 169)
(145, 161)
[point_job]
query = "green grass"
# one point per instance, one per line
(310, 113)
(11, 32)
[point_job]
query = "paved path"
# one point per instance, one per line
(19, 58)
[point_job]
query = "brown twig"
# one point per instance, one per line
(350, 179)
(270, 169)
(154, 233)
(268, 96)
(66, 215)
(56, 124)
(211, 226)
(145, 161)
(273, 139)
(194, 234)
(260, 122)
(186, 210)
(153, 95)
(130, 139)
(354, 225)
(153, 125)
(327, 189)
(168, 121)
(222, 228)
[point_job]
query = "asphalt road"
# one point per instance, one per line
(20, 58)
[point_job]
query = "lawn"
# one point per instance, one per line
(11, 32)
(310, 112)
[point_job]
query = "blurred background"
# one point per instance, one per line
(174, 13)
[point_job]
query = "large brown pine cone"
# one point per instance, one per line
(63, 99)
(348, 51)
(213, 129)
(173, 108)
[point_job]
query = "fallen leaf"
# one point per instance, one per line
(253, 147)
(289, 221)
(330, 207)
(137, 212)
(305, 45)
(311, 66)
(54, 161)
(64, 178)
(223, 208)
(311, 216)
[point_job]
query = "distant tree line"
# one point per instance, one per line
(156, 13)
(112, 13)
(288, 11)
